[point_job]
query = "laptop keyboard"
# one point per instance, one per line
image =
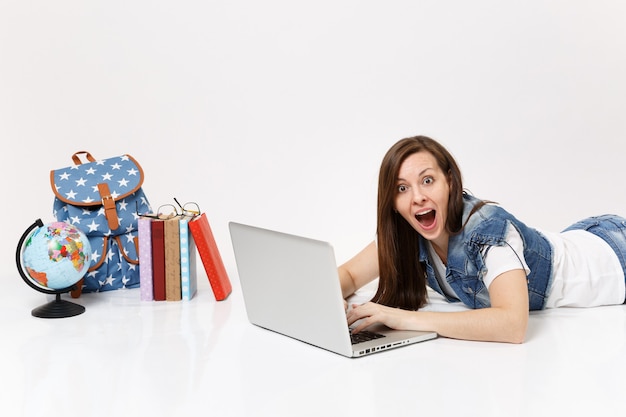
(364, 336)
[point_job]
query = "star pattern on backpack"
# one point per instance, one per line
(78, 202)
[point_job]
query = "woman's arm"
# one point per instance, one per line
(359, 271)
(505, 321)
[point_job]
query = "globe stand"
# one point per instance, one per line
(56, 308)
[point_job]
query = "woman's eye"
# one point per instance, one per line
(402, 188)
(428, 180)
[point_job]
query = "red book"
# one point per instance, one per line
(158, 259)
(210, 256)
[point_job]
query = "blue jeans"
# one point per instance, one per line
(612, 229)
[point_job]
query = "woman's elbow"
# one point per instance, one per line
(517, 330)
(518, 338)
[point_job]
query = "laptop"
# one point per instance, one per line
(290, 285)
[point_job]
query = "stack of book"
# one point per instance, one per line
(167, 258)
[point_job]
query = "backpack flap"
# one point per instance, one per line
(98, 183)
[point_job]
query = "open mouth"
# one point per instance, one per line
(426, 219)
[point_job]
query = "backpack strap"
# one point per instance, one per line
(78, 289)
(108, 203)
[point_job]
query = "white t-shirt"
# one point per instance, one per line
(586, 271)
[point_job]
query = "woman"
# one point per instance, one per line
(430, 232)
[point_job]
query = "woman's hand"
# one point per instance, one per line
(372, 313)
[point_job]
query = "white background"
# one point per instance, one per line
(278, 113)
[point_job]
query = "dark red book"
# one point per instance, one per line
(158, 259)
(210, 256)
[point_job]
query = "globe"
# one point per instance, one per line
(56, 255)
(52, 258)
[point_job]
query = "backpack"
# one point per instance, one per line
(103, 198)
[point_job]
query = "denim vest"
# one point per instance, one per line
(466, 267)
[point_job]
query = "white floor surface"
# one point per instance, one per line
(125, 357)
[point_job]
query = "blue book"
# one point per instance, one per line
(188, 275)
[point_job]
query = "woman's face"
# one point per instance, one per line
(422, 194)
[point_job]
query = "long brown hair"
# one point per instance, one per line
(402, 280)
